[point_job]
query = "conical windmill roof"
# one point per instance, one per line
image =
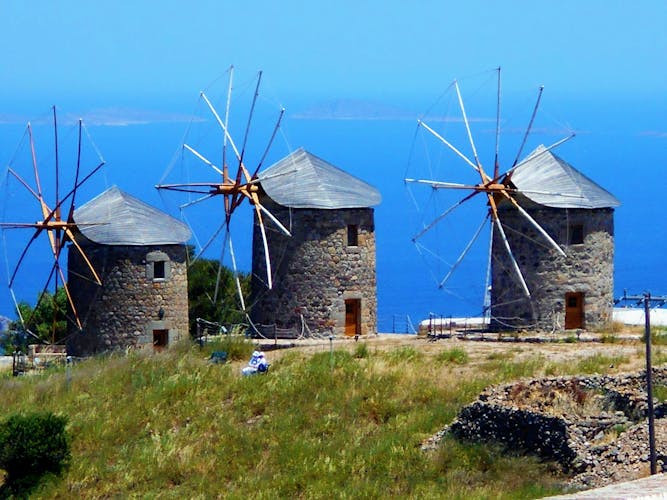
(117, 218)
(302, 180)
(549, 180)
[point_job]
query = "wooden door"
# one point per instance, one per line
(352, 317)
(574, 310)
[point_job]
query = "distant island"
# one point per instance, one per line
(353, 109)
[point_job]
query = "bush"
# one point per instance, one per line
(32, 446)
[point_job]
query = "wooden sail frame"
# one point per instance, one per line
(60, 230)
(235, 189)
(496, 186)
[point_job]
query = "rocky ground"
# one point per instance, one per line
(624, 459)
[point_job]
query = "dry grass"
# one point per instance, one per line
(320, 424)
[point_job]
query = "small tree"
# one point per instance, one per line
(202, 277)
(48, 319)
(31, 446)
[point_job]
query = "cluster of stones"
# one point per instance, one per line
(594, 427)
(124, 311)
(316, 270)
(586, 268)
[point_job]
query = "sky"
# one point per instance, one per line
(110, 51)
(134, 60)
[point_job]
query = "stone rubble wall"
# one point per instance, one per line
(532, 416)
(315, 270)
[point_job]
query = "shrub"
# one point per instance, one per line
(31, 446)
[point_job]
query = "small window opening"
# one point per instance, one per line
(352, 235)
(160, 339)
(576, 235)
(159, 270)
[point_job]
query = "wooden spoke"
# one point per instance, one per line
(467, 125)
(59, 230)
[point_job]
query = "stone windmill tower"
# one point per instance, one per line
(570, 291)
(325, 273)
(139, 253)
(551, 248)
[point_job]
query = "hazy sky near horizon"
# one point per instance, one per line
(69, 49)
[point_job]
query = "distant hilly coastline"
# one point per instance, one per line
(353, 109)
(109, 117)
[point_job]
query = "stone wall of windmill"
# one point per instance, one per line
(587, 237)
(134, 307)
(320, 272)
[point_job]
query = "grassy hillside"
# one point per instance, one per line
(173, 425)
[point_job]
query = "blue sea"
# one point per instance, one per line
(621, 144)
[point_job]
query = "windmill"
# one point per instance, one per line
(234, 177)
(54, 207)
(493, 185)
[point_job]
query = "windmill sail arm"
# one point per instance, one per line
(449, 145)
(77, 185)
(34, 161)
(193, 187)
(24, 183)
(40, 296)
(22, 256)
(273, 218)
(443, 215)
(441, 184)
(463, 254)
(265, 243)
(236, 273)
(247, 131)
(535, 224)
(537, 155)
(530, 125)
(515, 264)
(467, 124)
(91, 268)
(69, 297)
(21, 225)
(222, 125)
(268, 146)
(198, 200)
(202, 158)
(258, 180)
(547, 193)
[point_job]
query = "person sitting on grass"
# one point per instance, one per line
(257, 364)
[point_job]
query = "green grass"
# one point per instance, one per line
(660, 392)
(599, 363)
(174, 425)
(505, 370)
(455, 355)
